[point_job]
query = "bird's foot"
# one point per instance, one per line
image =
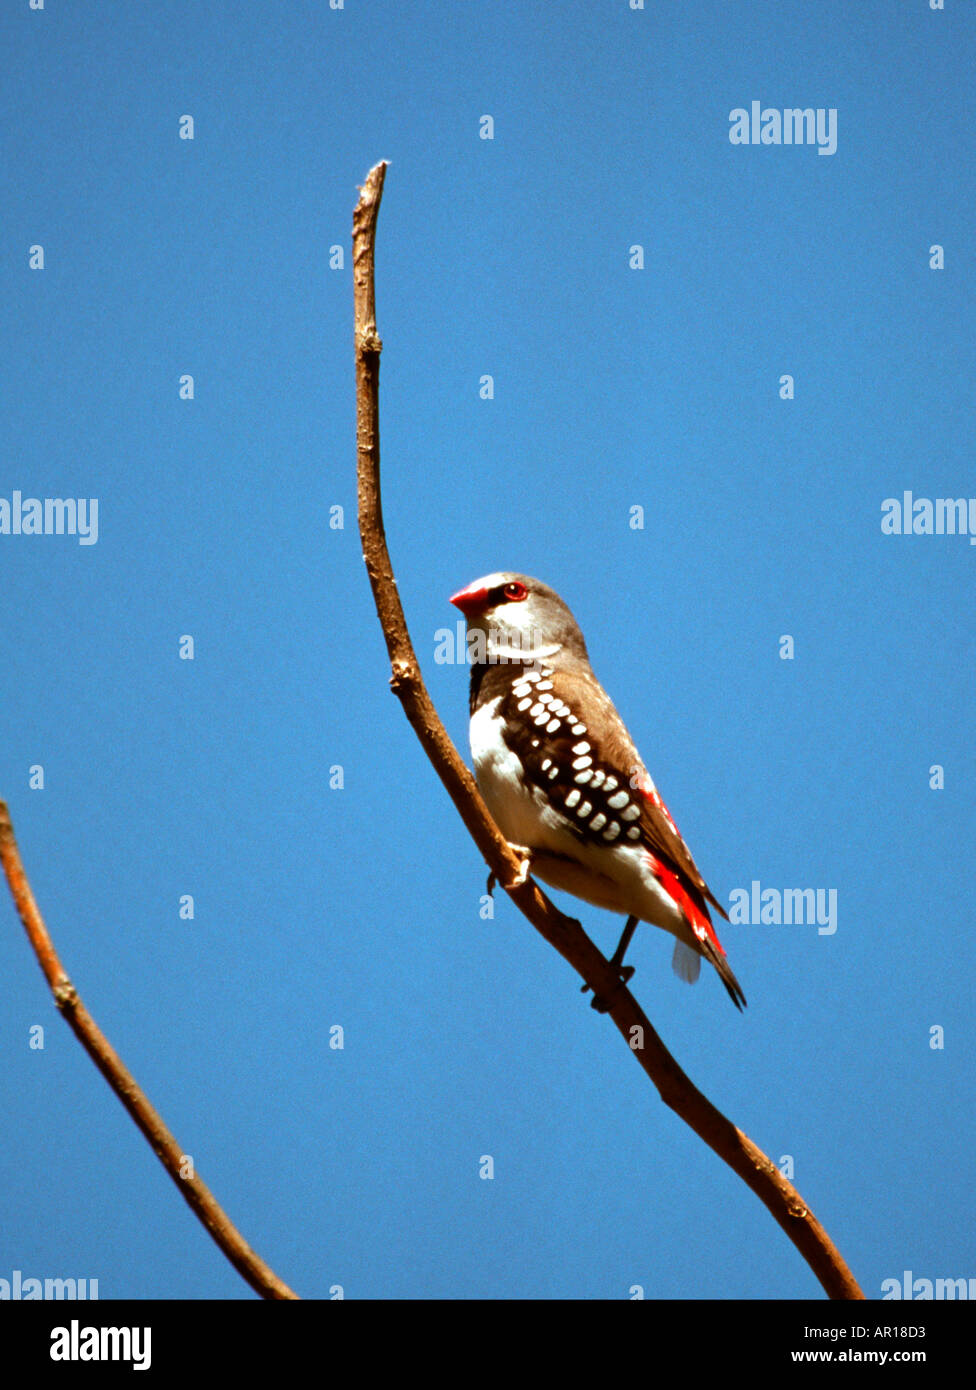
(616, 964)
(524, 855)
(602, 1004)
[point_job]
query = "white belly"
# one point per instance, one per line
(618, 877)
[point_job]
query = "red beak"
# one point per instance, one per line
(469, 600)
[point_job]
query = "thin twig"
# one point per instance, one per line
(174, 1159)
(565, 934)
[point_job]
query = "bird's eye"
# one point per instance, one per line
(515, 591)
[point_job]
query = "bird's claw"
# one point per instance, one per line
(525, 864)
(523, 872)
(604, 1005)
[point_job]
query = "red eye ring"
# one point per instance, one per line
(515, 591)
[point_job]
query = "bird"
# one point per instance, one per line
(564, 781)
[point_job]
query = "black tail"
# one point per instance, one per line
(725, 974)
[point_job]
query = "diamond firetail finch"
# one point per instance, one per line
(563, 779)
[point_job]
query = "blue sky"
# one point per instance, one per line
(614, 388)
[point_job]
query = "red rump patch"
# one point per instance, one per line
(700, 923)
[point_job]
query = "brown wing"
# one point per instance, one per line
(549, 757)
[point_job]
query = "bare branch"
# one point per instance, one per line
(564, 933)
(247, 1263)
